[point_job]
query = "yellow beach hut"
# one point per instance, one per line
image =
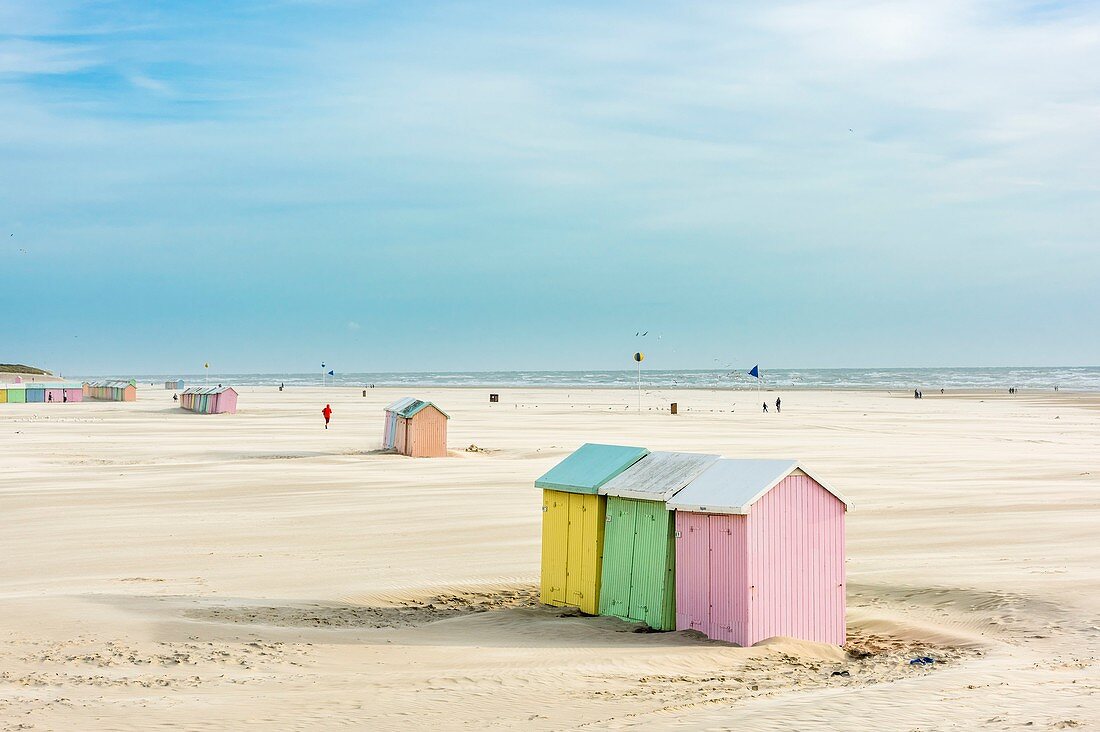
(573, 516)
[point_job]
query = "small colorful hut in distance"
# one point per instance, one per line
(174, 384)
(760, 553)
(111, 390)
(415, 428)
(573, 517)
(639, 556)
(209, 399)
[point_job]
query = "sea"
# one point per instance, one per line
(1069, 378)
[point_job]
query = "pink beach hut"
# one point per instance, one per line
(760, 553)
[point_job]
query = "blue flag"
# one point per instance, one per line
(755, 371)
(331, 373)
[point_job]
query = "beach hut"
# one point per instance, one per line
(415, 428)
(760, 553)
(639, 556)
(17, 393)
(174, 384)
(111, 390)
(209, 399)
(73, 392)
(573, 517)
(35, 393)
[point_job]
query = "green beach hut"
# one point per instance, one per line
(17, 394)
(639, 554)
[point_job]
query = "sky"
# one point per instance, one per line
(419, 186)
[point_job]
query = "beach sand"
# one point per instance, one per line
(169, 570)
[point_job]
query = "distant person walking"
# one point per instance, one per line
(916, 394)
(765, 407)
(777, 405)
(327, 411)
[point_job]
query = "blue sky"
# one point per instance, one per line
(462, 186)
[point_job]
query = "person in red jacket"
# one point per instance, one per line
(327, 411)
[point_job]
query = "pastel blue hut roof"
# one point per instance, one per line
(409, 406)
(590, 467)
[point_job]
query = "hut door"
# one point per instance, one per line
(693, 566)
(650, 546)
(615, 592)
(555, 546)
(575, 580)
(721, 576)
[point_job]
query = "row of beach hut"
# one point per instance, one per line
(33, 392)
(740, 550)
(111, 390)
(209, 399)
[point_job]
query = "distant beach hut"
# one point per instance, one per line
(35, 393)
(174, 384)
(760, 553)
(415, 428)
(639, 555)
(111, 390)
(209, 400)
(573, 517)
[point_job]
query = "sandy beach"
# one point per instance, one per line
(169, 570)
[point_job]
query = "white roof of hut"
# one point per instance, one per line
(112, 383)
(208, 389)
(733, 486)
(657, 476)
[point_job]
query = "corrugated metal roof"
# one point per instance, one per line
(208, 389)
(657, 476)
(44, 385)
(111, 383)
(733, 486)
(590, 467)
(409, 406)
